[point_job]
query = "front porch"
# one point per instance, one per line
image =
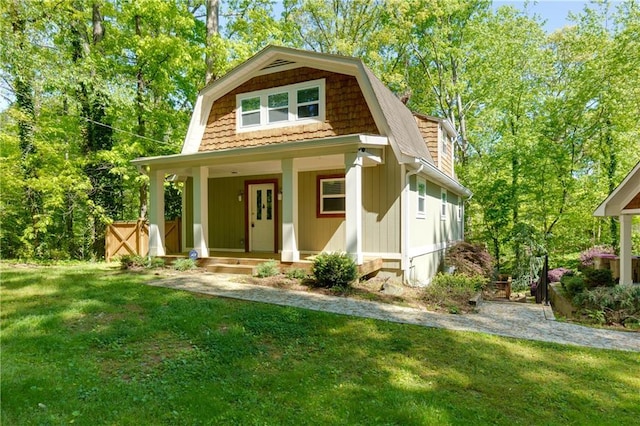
(228, 262)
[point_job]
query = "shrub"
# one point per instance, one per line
(470, 259)
(598, 278)
(132, 261)
(334, 270)
(184, 264)
(573, 284)
(267, 269)
(554, 275)
(453, 291)
(296, 274)
(612, 305)
(155, 263)
(587, 257)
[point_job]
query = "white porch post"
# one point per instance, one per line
(353, 213)
(290, 252)
(625, 249)
(201, 211)
(156, 213)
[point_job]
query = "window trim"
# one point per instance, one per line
(443, 204)
(460, 207)
(319, 197)
(293, 120)
(421, 214)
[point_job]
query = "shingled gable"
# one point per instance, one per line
(391, 116)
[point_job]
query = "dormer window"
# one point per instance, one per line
(300, 103)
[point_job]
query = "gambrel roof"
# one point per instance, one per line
(391, 116)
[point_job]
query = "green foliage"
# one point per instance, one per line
(184, 264)
(572, 284)
(598, 278)
(155, 263)
(453, 291)
(334, 270)
(267, 269)
(296, 273)
(611, 305)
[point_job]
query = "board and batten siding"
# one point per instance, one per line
(381, 215)
(317, 234)
(226, 213)
(431, 235)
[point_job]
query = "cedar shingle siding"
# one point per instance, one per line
(346, 112)
(429, 131)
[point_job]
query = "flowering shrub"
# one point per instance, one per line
(554, 275)
(587, 257)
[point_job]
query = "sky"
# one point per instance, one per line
(554, 12)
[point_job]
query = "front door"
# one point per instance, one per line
(262, 216)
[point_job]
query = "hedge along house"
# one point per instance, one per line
(296, 152)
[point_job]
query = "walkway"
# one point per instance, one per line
(518, 320)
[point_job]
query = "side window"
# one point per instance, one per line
(443, 204)
(331, 196)
(422, 198)
(460, 209)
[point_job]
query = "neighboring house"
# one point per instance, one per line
(624, 202)
(297, 152)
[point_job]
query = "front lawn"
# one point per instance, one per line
(89, 344)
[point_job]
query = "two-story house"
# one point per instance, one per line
(296, 152)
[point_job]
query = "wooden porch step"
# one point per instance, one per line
(223, 268)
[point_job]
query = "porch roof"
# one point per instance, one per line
(625, 198)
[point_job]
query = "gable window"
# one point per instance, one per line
(294, 104)
(331, 196)
(278, 107)
(250, 111)
(443, 204)
(422, 198)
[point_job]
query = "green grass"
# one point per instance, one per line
(89, 344)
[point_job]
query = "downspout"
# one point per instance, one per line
(407, 220)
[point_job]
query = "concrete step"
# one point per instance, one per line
(222, 268)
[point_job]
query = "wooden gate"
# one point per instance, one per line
(132, 238)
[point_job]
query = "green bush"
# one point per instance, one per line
(334, 270)
(184, 264)
(598, 278)
(155, 263)
(612, 305)
(296, 274)
(573, 284)
(453, 291)
(132, 261)
(267, 269)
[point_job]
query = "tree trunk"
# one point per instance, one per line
(140, 89)
(213, 9)
(25, 102)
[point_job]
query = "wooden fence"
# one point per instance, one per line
(132, 237)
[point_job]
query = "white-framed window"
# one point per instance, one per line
(421, 190)
(299, 103)
(460, 208)
(332, 196)
(443, 204)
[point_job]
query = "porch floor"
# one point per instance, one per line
(246, 262)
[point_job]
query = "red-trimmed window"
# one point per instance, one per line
(331, 200)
